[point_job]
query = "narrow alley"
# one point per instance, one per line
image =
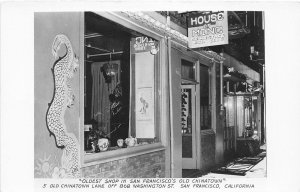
(246, 167)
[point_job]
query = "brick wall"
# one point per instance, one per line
(147, 165)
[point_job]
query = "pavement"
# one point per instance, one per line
(257, 171)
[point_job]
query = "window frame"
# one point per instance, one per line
(194, 66)
(159, 83)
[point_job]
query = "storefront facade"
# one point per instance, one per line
(242, 102)
(153, 94)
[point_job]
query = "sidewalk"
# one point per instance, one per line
(257, 171)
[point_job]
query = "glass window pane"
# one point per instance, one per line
(120, 91)
(187, 70)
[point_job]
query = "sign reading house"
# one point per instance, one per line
(207, 29)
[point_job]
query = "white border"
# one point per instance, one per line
(282, 68)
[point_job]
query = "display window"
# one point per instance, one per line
(121, 85)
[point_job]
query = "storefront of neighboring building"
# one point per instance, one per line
(242, 102)
(121, 95)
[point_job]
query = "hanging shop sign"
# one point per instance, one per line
(207, 29)
(145, 44)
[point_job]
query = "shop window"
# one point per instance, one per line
(121, 83)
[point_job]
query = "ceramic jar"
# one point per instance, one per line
(131, 141)
(103, 144)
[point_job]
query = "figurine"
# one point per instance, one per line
(131, 141)
(120, 142)
(103, 144)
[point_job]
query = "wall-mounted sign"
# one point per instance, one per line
(207, 29)
(145, 44)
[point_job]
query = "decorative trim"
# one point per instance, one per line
(63, 98)
(213, 54)
(163, 28)
(153, 23)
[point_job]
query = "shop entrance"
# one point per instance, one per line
(188, 122)
(190, 108)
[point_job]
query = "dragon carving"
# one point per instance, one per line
(63, 98)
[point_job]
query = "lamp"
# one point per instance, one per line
(110, 69)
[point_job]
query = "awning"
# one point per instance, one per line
(241, 68)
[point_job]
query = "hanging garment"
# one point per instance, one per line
(100, 95)
(100, 102)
